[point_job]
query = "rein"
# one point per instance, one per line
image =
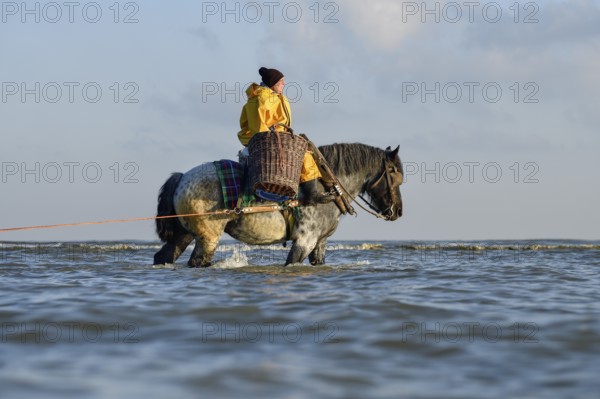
(376, 212)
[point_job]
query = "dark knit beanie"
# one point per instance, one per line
(270, 76)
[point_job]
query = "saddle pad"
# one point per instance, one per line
(231, 177)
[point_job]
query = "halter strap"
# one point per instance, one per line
(388, 180)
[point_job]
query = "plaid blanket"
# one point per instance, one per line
(233, 184)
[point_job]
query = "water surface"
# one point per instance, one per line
(485, 319)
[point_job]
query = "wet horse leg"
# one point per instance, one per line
(317, 256)
(173, 249)
(300, 250)
(305, 236)
(208, 234)
(203, 252)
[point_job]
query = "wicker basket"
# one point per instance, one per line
(275, 162)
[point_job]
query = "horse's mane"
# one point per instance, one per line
(345, 158)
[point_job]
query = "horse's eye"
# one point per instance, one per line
(399, 178)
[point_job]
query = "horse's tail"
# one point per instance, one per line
(168, 228)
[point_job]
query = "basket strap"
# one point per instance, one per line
(286, 127)
(330, 179)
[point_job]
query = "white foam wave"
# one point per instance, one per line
(235, 261)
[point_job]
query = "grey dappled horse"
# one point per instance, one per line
(360, 168)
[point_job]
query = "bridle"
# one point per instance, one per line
(389, 212)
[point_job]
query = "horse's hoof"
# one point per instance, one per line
(191, 266)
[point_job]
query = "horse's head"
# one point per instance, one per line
(384, 187)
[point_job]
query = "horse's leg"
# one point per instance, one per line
(317, 256)
(173, 249)
(207, 241)
(203, 252)
(311, 230)
(303, 246)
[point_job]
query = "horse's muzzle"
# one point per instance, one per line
(392, 213)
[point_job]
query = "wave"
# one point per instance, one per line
(518, 246)
(238, 247)
(364, 246)
(91, 246)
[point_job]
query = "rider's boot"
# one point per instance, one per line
(312, 195)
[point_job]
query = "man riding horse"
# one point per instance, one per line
(268, 106)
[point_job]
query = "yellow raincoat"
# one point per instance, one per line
(264, 109)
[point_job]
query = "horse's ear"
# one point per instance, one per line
(392, 154)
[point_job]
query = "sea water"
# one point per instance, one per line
(481, 319)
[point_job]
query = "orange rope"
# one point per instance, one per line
(250, 209)
(52, 226)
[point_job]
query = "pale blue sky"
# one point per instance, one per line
(354, 75)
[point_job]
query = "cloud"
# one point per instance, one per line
(381, 24)
(210, 39)
(549, 25)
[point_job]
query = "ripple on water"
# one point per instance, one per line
(381, 320)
